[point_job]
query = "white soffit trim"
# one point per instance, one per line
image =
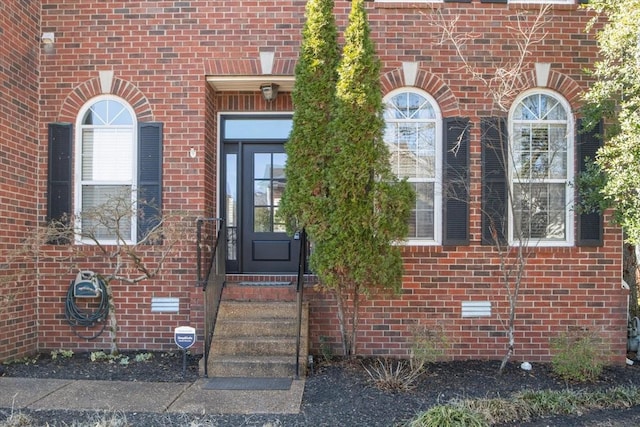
(250, 83)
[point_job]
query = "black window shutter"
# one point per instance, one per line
(149, 176)
(494, 152)
(59, 178)
(456, 182)
(590, 225)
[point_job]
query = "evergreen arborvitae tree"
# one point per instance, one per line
(367, 207)
(611, 180)
(313, 94)
(615, 95)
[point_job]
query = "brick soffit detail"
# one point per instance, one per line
(248, 67)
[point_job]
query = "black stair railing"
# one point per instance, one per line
(211, 246)
(302, 264)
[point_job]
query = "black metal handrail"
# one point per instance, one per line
(302, 264)
(215, 274)
(212, 247)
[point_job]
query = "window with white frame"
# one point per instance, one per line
(105, 170)
(540, 167)
(413, 134)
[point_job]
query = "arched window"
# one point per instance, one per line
(541, 164)
(106, 170)
(413, 135)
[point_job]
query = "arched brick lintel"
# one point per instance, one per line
(428, 82)
(91, 88)
(558, 82)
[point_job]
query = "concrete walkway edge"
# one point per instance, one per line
(156, 397)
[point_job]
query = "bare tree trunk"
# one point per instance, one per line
(341, 321)
(510, 333)
(113, 322)
(354, 320)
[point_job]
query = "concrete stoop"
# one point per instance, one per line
(258, 339)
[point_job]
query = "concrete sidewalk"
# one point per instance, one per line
(129, 396)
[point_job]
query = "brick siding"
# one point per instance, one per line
(19, 190)
(160, 53)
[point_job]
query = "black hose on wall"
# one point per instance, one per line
(76, 317)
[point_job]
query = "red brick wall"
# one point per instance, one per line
(160, 53)
(19, 141)
(562, 290)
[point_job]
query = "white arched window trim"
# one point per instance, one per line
(569, 222)
(112, 175)
(436, 120)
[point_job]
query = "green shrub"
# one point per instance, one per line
(578, 356)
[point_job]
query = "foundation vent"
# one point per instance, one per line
(476, 308)
(165, 305)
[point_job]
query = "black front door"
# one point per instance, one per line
(253, 182)
(266, 247)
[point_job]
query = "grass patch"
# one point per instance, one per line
(18, 419)
(525, 406)
(448, 416)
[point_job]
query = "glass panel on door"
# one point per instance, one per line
(266, 247)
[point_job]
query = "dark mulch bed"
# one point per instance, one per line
(336, 394)
(162, 367)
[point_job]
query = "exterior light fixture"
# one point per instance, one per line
(269, 91)
(48, 39)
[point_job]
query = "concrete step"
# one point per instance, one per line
(253, 346)
(246, 310)
(263, 327)
(257, 338)
(240, 290)
(253, 366)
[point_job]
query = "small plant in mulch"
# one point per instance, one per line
(325, 349)
(428, 345)
(143, 357)
(62, 354)
(121, 359)
(578, 355)
(27, 360)
(394, 374)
